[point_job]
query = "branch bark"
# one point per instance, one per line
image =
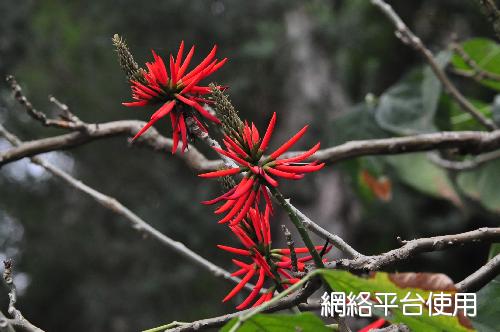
(473, 142)
(409, 38)
(481, 277)
(17, 319)
(412, 247)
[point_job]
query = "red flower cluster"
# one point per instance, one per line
(247, 149)
(274, 264)
(180, 97)
(177, 89)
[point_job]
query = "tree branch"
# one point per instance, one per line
(492, 13)
(152, 139)
(481, 277)
(473, 142)
(409, 38)
(465, 165)
(18, 319)
(475, 72)
(135, 221)
(412, 247)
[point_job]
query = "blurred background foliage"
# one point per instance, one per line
(335, 64)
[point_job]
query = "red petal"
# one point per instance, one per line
(173, 73)
(182, 126)
(286, 175)
(179, 57)
(203, 64)
(136, 103)
(269, 179)
(232, 156)
(223, 172)
(241, 264)
(234, 250)
(301, 169)
(197, 106)
(238, 287)
(244, 210)
(219, 198)
(255, 291)
(175, 132)
(162, 70)
(186, 62)
(289, 143)
(301, 156)
(268, 134)
(235, 209)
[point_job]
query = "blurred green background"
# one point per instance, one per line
(81, 268)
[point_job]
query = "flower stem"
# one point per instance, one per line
(297, 222)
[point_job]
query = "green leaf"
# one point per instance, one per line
(418, 172)
(461, 120)
(483, 184)
(401, 284)
(494, 250)
(409, 106)
(486, 54)
(280, 323)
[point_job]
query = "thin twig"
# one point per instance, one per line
(336, 240)
(475, 72)
(291, 247)
(299, 225)
(481, 277)
(409, 38)
(492, 13)
(67, 115)
(465, 165)
(18, 319)
(34, 113)
(136, 222)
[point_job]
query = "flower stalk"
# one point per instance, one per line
(294, 218)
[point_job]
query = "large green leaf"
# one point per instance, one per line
(486, 54)
(418, 172)
(400, 284)
(483, 184)
(409, 106)
(280, 323)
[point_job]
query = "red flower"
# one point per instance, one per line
(246, 148)
(175, 91)
(273, 264)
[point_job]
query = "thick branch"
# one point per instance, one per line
(412, 247)
(152, 139)
(466, 141)
(409, 38)
(481, 277)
